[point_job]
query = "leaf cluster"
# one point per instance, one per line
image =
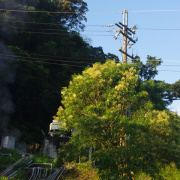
(111, 109)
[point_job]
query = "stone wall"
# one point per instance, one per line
(52, 144)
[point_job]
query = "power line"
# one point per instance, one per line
(160, 29)
(98, 60)
(61, 57)
(66, 12)
(46, 62)
(18, 27)
(55, 12)
(61, 30)
(26, 22)
(156, 60)
(27, 11)
(66, 34)
(27, 60)
(60, 60)
(169, 70)
(45, 59)
(95, 25)
(148, 29)
(155, 10)
(170, 65)
(79, 66)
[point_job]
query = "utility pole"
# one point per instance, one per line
(125, 23)
(126, 33)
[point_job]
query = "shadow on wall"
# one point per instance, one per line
(52, 142)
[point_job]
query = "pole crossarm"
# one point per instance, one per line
(126, 54)
(126, 33)
(128, 29)
(122, 28)
(128, 37)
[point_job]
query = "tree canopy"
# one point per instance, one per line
(108, 108)
(41, 45)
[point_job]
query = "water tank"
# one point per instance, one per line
(8, 142)
(54, 128)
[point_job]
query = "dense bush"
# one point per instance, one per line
(80, 171)
(6, 160)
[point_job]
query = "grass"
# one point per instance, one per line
(8, 160)
(84, 171)
(41, 158)
(80, 171)
(169, 172)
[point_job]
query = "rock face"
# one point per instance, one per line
(52, 144)
(49, 147)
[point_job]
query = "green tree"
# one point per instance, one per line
(157, 94)
(148, 70)
(45, 55)
(159, 91)
(108, 108)
(173, 90)
(72, 18)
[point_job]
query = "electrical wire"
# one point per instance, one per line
(59, 60)
(22, 28)
(55, 57)
(109, 31)
(170, 65)
(55, 12)
(56, 24)
(27, 11)
(95, 31)
(66, 12)
(155, 60)
(156, 29)
(66, 34)
(70, 65)
(17, 27)
(169, 70)
(26, 22)
(154, 10)
(80, 66)
(70, 34)
(56, 33)
(45, 59)
(46, 62)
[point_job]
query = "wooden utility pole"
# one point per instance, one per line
(125, 23)
(126, 33)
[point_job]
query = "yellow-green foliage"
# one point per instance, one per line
(40, 158)
(4, 178)
(108, 87)
(109, 108)
(82, 171)
(169, 172)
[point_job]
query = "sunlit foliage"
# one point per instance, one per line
(108, 109)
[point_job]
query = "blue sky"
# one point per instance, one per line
(162, 43)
